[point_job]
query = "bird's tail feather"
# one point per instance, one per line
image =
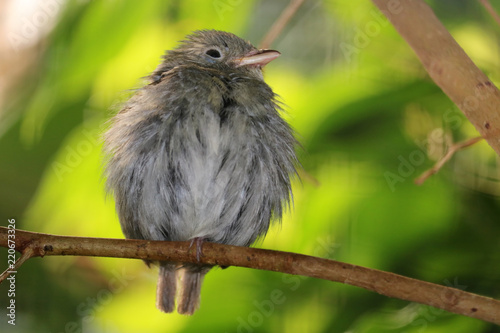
(191, 279)
(166, 287)
(190, 288)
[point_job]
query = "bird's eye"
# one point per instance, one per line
(213, 53)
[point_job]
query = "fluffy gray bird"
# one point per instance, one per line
(200, 153)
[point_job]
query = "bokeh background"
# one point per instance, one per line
(370, 121)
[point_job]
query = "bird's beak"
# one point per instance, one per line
(257, 58)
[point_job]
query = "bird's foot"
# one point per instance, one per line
(199, 246)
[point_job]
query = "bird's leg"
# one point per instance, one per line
(199, 246)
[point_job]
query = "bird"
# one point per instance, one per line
(201, 153)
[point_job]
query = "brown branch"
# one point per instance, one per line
(447, 64)
(388, 284)
(280, 23)
(449, 154)
(307, 177)
(491, 10)
(25, 255)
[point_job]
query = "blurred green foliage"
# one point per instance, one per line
(369, 119)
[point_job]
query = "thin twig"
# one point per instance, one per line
(491, 10)
(449, 154)
(306, 176)
(25, 255)
(385, 283)
(281, 23)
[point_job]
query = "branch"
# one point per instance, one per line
(447, 64)
(26, 254)
(490, 10)
(449, 154)
(388, 284)
(280, 23)
(307, 177)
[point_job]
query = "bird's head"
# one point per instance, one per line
(220, 50)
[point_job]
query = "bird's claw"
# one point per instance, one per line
(199, 246)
